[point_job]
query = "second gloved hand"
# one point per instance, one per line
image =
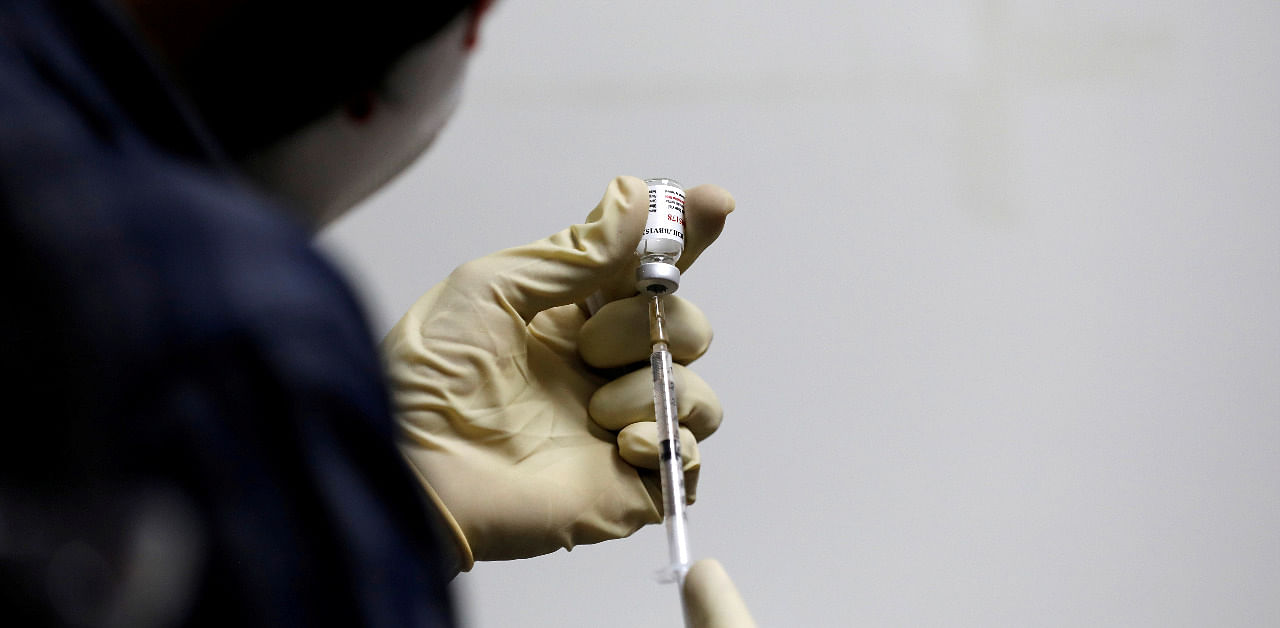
(712, 600)
(505, 413)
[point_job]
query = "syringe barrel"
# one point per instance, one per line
(670, 461)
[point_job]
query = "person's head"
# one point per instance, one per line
(321, 102)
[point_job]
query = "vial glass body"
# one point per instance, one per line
(663, 239)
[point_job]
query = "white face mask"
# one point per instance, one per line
(337, 161)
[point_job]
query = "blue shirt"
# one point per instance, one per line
(196, 430)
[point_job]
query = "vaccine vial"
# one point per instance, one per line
(663, 239)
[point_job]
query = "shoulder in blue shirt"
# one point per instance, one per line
(201, 381)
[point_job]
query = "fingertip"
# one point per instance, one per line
(711, 199)
(700, 407)
(639, 445)
(611, 231)
(623, 209)
(631, 191)
(706, 208)
(690, 330)
(712, 599)
(705, 571)
(705, 582)
(634, 189)
(568, 265)
(617, 334)
(628, 198)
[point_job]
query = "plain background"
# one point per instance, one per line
(997, 319)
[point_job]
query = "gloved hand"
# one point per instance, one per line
(711, 598)
(502, 385)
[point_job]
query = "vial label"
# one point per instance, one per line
(664, 230)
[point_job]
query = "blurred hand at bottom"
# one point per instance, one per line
(712, 600)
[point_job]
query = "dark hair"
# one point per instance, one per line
(271, 66)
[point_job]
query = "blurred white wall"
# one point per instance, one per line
(998, 316)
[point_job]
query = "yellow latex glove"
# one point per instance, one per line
(712, 600)
(502, 385)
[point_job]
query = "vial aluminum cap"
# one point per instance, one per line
(657, 277)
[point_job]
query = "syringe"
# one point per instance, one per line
(670, 461)
(657, 275)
